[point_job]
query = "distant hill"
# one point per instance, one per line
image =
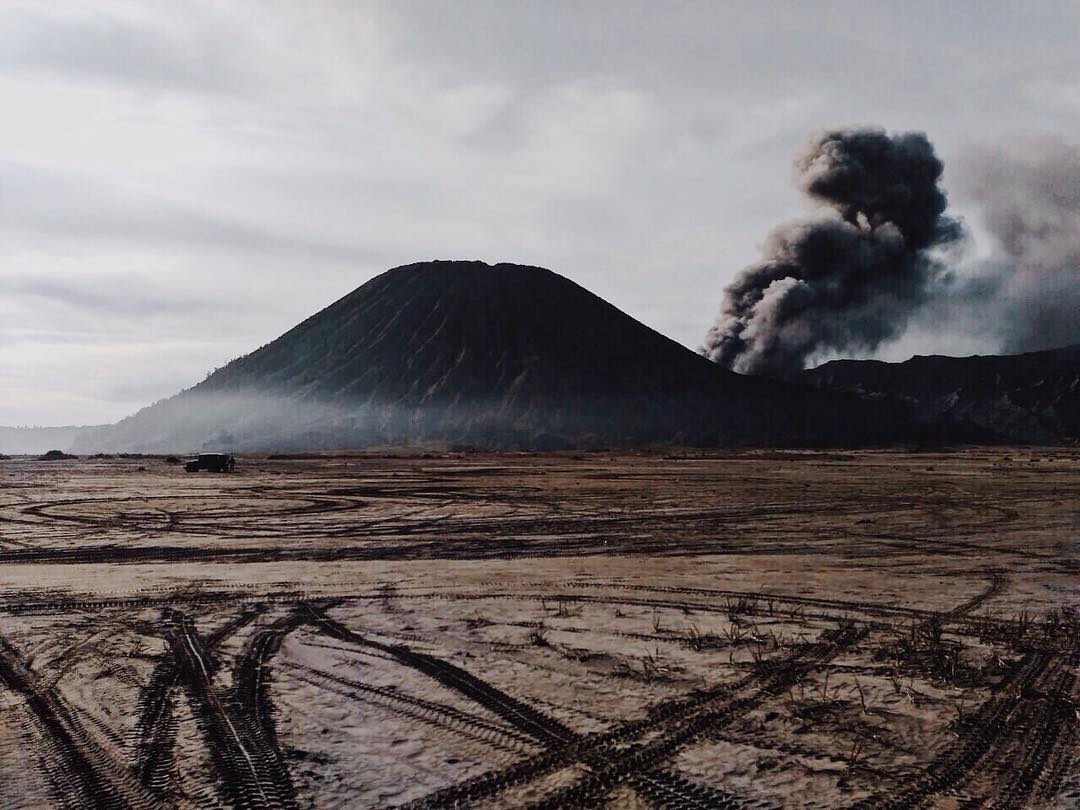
(1026, 398)
(37, 440)
(492, 356)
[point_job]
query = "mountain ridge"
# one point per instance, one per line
(1033, 397)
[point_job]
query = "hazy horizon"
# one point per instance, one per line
(181, 183)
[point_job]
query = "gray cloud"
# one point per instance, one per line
(276, 155)
(166, 52)
(1028, 192)
(99, 295)
(70, 207)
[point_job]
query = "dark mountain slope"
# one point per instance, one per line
(1032, 397)
(445, 332)
(497, 356)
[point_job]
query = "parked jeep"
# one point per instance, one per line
(214, 462)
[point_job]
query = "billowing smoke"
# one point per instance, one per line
(1029, 289)
(849, 277)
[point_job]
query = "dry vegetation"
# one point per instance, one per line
(865, 630)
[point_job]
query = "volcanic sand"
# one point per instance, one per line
(751, 629)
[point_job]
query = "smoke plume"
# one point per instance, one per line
(1029, 195)
(850, 276)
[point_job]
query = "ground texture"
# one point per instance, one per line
(873, 629)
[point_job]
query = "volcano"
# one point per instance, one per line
(466, 353)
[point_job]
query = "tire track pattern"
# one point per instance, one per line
(84, 776)
(520, 715)
(155, 731)
(1024, 730)
(249, 773)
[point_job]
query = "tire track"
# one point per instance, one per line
(1050, 720)
(248, 777)
(615, 758)
(681, 725)
(1020, 730)
(668, 790)
(525, 718)
(251, 697)
(155, 731)
(984, 735)
(438, 714)
(639, 748)
(86, 777)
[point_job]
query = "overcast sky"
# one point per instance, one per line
(181, 182)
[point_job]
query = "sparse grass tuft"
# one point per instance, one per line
(650, 668)
(924, 651)
(862, 697)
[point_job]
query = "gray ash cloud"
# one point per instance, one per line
(1028, 192)
(849, 277)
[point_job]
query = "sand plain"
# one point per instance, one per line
(664, 629)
